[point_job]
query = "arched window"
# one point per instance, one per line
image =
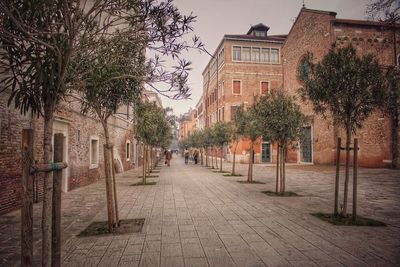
(398, 60)
(304, 67)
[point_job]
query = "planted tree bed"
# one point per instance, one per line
(280, 194)
(221, 172)
(149, 176)
(234, 175)
(141, 183)
(347, 221)
(125, 227)
(252, 182)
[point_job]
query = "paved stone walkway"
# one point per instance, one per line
(195, 217)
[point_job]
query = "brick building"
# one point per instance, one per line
(83, 147)
(315, 31)
(243, 67)
(187, 123)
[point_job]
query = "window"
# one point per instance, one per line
(94, 152)
(223, 114)
(265, 55)
(260, 33)
(304, 68)
(246, 53)
(237, 55)
(134, 158)
(264, 88)
(274, 55)
(221, 56)
(234, 110)
(128, 150)
(398, 60)
(255, 54)
(222, 89)
(237, 90)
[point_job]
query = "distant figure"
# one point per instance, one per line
(196, 156)
(186, 154)
(168, 157)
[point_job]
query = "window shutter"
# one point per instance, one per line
(236, 87)
(264, 88)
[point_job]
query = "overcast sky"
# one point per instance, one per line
(218, 17)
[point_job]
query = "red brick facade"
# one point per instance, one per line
(79, 131)
(239, 81)
(315, 31)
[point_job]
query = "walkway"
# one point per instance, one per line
(195, 217)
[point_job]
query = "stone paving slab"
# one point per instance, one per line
(195, 217)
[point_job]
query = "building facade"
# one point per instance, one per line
(83, 147)
(243, 67)
(316, 31)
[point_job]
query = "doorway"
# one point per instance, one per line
(306, 146)
(265, 152)
(61, 127)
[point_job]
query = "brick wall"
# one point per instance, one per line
(80, 129)
(315, 32)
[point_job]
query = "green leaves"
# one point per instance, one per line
(110, 71)
(151, 125)
(279, 117)
(345, 86)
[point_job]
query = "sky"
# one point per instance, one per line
(218, 17)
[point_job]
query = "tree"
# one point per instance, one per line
(222, 137)
(252, 131)
(346, 87)
(152, 128)
(207, 142)
(110, 73)
(38, 38)
(237, 130)
(282, 122)
(384, 10)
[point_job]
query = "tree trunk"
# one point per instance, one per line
(47, 187)
(347, 173)
(395, 139)
(338, 149)
(283, 168)
(216, 157)
(234, 159)
(250, 171)
(27, 199)
(220, 160)
(212, 159)
(109, 179)
(277, 168)
(201, 157)
(56, 224)
(355, 166)
(206, 152)
(144, 164)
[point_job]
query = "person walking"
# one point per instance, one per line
(168, 157)
(186, 155)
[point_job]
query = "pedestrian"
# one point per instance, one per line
(186, 155)
(195, 156)
(168, 157)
